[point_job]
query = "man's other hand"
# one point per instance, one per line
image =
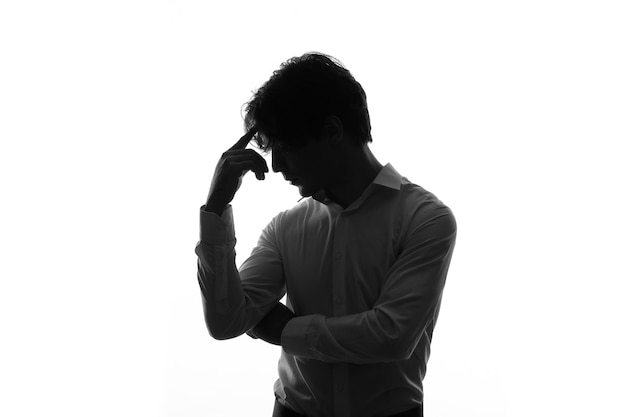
(271, 326)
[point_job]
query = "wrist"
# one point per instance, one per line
(214, 208)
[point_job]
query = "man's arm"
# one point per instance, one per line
(406, 308)
(234, 302)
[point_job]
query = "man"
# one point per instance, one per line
(363, 261)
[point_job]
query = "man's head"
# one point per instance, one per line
(295, 104)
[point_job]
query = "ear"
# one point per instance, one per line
(333, 129)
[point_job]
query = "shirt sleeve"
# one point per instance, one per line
(405, 310)
(235, 300)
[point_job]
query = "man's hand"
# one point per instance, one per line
(270, 328)
(231, 168)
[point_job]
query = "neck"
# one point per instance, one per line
(355, 172)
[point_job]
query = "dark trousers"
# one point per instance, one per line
(282, 411)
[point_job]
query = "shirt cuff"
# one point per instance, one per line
(215, 229)
(298, 336)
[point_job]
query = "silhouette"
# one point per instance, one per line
(363, 260)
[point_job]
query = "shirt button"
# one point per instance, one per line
(339, 300)
(340, 388)
(338, 255)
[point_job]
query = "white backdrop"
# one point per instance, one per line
(113, 114)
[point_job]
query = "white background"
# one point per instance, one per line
(113, 114)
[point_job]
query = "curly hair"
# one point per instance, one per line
(291, 107)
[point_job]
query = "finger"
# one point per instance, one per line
(245, 139)
(245, 155)
(247, 165)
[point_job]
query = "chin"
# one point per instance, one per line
(304, 191)
(311, 192)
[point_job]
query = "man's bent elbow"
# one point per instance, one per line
(222, 330)
(220, 336)
(218, 333)
(398, 350)
(219, 326)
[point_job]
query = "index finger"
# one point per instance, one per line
(245, 139)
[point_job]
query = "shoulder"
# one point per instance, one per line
(425, 209)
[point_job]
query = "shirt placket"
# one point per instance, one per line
(340, 370)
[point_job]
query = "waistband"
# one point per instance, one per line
(282, 411)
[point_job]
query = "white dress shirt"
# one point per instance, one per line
(364, 282)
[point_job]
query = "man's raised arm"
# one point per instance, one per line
(233, 303)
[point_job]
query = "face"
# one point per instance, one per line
(310, 168)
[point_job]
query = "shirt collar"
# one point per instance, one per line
(387, 177)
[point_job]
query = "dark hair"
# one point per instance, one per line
(294, 103)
